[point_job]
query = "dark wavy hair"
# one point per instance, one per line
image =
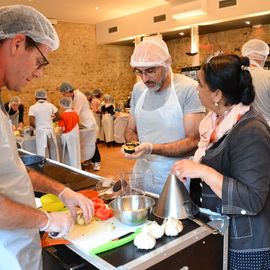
(229, 73)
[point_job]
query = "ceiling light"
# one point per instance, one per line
(188, 14)
(96, 8)
(247, 22)
(187, 9)
(181, 33)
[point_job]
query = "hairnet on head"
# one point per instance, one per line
(41, 93)
(108, 98)
(97, 92)
(15, 100)
(66, 102)
(151, 52)
(66, 87)
(88, 94)
(255, 49)
(20, 19)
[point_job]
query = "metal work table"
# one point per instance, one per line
(194, 248)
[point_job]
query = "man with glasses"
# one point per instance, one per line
(165, 113)
(26, 38)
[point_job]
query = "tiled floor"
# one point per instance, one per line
(112, 162)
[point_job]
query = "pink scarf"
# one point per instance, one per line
(210, 132)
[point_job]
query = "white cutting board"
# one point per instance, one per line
(87, 237)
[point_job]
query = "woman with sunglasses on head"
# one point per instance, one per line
(233, 160)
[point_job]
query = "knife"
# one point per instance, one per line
(115, 243)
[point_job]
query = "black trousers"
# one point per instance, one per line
(96, 157)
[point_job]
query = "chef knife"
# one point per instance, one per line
(115, 243)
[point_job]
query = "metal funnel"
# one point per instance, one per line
(175, 201)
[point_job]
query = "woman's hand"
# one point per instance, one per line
(187, 168)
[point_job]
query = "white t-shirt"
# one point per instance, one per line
(185, 89)
(261, 82)
(42, 110)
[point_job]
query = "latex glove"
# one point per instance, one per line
(59, 223)
(140, 151)
(72, 199)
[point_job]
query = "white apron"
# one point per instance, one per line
(107, 127)
(15, 119)
(19, 248)
(46, 143)
(163, 125)
(97, 117)
(71, 153)
(88, 143)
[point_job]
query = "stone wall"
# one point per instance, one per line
(227, 41)
(88, 66)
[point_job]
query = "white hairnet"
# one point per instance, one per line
(20, 19)
(151, 52)
(255, 49)
(88, 94)
(108, 98)
(97, 92)
(66, 87)
(66, 102)
(15, 100)
(41, 93)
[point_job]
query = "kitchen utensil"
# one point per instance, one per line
(132, 209)
(175, 201)
(30, 160)
(115, 243)
(132, 183)
(172, 199)
(98, 232)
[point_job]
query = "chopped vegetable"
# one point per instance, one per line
(103, 213)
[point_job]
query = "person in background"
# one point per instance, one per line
(89, 96)
(87, 121)
(41, 117)
(165, 113)
(23, 54)
(69, 123)
(96, 108)
(127, 103)
(233, 160)
(257, 51)
(15, 110)
(107, 110)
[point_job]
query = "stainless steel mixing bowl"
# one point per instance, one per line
(133, 209)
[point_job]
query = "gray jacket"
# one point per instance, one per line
(243, 157)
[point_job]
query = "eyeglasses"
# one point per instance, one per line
(150, 72)
(45, 60)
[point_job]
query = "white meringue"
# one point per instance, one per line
(144, 240)
(155, 230)
(172, 226)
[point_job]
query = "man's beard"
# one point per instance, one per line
(158, 85)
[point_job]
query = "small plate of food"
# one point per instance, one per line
(129, 147)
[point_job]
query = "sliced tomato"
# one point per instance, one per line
(98, 206)
(103, 213)
(97, 200)
(89, 193)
